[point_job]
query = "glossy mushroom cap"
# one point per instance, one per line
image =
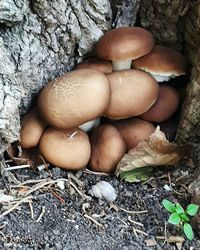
(107, 147)
(121, 45)
(162, 62)
(134, 131)
(69, 149)
(133, 92)
(164, 107)
(32, 128)
(96, 64)
(74, 98)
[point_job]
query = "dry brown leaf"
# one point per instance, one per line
(21, 156)
(155, 151)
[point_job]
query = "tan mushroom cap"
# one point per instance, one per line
(32, 128)
(125, 43)
(96, 64)
(74, 98)
(69, 149)
(107, 148)
(134, 131)
(133, 92)
(163, 61)
(164, 107)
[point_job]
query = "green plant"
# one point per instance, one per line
(181, 217)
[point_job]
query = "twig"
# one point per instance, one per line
(125, 224)
(31, 208)
(58, 196)
(74, 178)
(135, 222)
(87, 171)
(93, 220)
(17, 167)
(28, 182)
(140, 231)
(15, 206)
(2, 234)
(42, 213)
(133, 212)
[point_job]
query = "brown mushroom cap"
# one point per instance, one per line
(69, 149)
(162, 61)
(134, 131)
(74, 98)
(32, 128)
(107, 148)
(96, 64)
(132, 93)
(125, 43)
(166, 104)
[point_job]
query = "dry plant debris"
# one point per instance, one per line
(154, 152)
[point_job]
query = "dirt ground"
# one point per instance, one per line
(71, 219)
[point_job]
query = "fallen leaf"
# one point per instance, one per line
(136, 175)
(155, 151)
(21, 156)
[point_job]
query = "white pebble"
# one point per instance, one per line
(103, 189)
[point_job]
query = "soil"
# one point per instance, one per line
(60, 219)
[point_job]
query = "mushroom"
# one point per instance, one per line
(107, 148)
(32, 128)
(166, 104)
(133, 92)
(162, 63)
(122, 45)
(87, 126)
(96, 64)
(134, 131)
(74, 98)
(65, 148)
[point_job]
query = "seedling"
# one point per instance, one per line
(181, 217)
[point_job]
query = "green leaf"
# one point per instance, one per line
(179, 209)
(174, 219)
(187, 229)
(136, 175)
(184, 217)
(192, 209)
(169, 206)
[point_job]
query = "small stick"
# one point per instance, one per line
(78, 182)
(125, 224)
(135, 222)
(93, 220)
(87, 171)
(28, 182)
(2, 234)
(31, 208)
(17, 167)
(140, 231)
(133, 212)
(58, 196)
(15, 206)
(42, 213)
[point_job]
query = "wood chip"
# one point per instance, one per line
(150, 243)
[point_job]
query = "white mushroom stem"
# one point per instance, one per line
(162, 78)
(87, 126)
(122, 64)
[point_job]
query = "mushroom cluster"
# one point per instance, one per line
(122, 85)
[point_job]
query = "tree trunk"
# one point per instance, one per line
(42, 39)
